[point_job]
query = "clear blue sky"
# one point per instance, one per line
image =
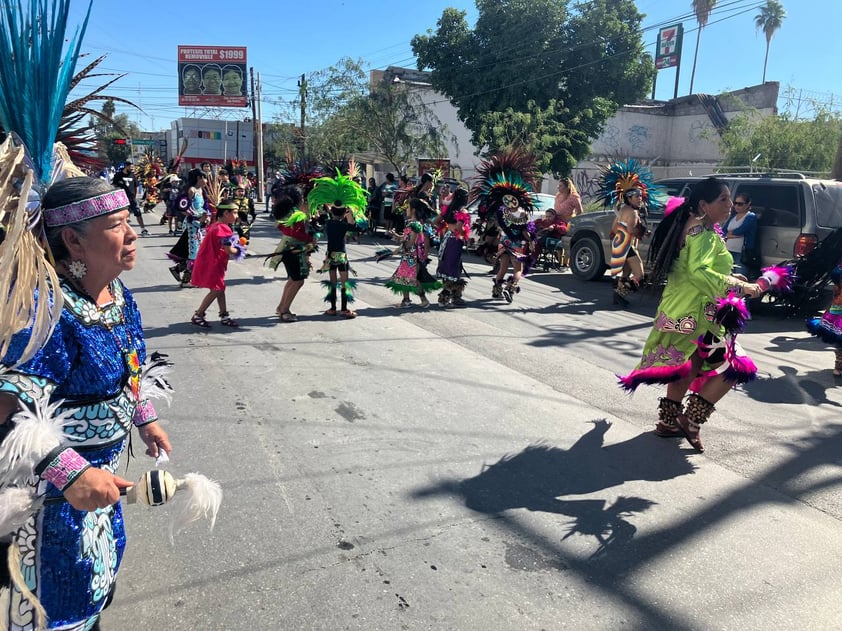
(142, 41)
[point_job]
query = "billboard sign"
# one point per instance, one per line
(212, 76)
(669, 46)
(428, 166)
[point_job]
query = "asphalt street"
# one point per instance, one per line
(474, 468)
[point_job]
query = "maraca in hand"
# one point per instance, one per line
(202, 496)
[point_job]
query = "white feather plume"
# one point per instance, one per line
(17, 504)
(202, 497)
(37, 431)
(153, 384)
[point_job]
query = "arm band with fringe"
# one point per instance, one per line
(62, 467)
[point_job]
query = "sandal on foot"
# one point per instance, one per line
(690, 431)
(347, 313)
(199, 320)
(227, 320)
(665, 430)
(288, 317)
(331, 312)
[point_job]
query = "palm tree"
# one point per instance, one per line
(769, 21)
(702, 9)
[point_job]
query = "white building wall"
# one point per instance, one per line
(460, 149)
(214, 141)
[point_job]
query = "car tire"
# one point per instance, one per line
(586, 259)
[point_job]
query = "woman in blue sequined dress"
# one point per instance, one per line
(69, 550)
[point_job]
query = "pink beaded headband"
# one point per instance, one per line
(101, 204)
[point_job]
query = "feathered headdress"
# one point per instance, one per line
(506, 178)
(339, 192)
(35, 73)
(623, 175)
(301, 173)
(35, 77)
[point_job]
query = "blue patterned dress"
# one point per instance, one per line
(70, 558)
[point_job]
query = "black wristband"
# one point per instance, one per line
(45, 462)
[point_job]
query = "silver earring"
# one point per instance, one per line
(77, 269)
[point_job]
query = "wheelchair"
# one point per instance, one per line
(550, 257)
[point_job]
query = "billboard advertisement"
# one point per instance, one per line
(212, 76)
(428, 166)
(669, 46)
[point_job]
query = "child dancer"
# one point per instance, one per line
(412, 276)
(456, 232)
(295, 246)
(218, 246)
(504, 186)
(828, 327)
(347, 202)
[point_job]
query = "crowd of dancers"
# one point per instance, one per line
(307, 203)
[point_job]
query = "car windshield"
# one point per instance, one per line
(828, 204)
(542, 202)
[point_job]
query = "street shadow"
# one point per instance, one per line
(790, 387)
(185, 327)
(616, 338)
(538, 477)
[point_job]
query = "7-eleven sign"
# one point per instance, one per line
(669, 46)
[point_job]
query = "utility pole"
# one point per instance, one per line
(259, 126)
(302, 84)
(253, 116)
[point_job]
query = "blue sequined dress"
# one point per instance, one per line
(70, 558)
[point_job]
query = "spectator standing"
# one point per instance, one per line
(387, 196)
(567, 204)
(741, 237)
(374, 203)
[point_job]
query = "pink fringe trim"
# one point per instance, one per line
(779, 278)
(732, 313)
(653, 374)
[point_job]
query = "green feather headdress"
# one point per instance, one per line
(338, 192)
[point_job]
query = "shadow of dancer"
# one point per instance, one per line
(539, 475)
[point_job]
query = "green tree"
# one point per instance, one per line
(345, 116)
(538, 71)
(326, 136)
(783, 142)
(395, 122)
(120, 127)
(279, 144)
(769, 20)
(702, 9)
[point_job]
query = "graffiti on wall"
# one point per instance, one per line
(700, 131)
(611, 136)
(638, 137)
(587, 182)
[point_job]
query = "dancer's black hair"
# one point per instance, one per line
(669, 235)
(284, 200)
(457, 202)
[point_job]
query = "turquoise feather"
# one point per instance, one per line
(36, 73)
